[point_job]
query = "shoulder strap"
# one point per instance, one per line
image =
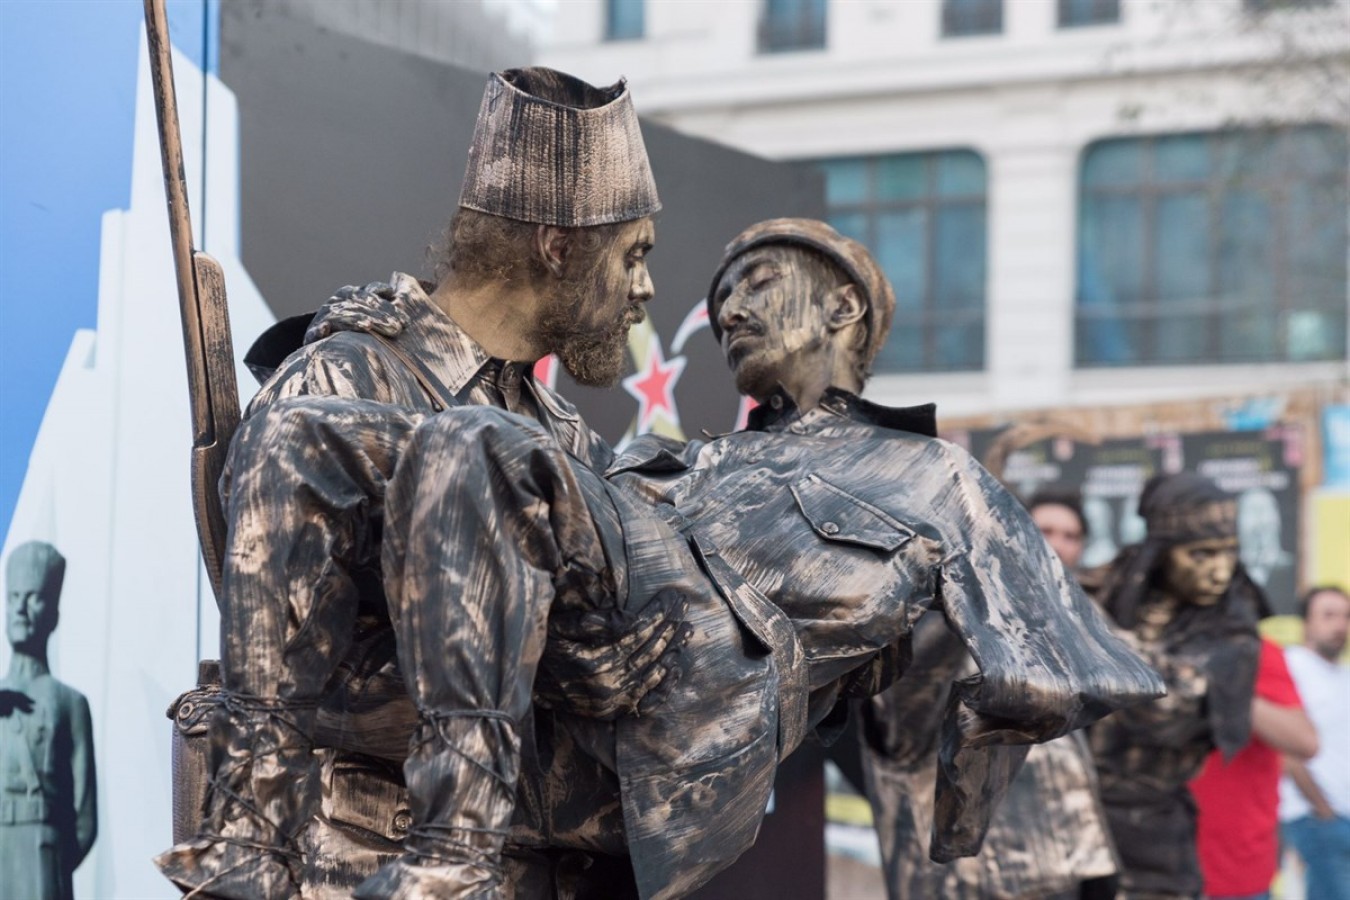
(440, 395)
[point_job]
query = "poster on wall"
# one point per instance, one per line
(1110, 474)
(1261, 469)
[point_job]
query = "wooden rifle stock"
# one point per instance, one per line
(212, 390)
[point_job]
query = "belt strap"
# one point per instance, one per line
(23, 810)
(774, 630)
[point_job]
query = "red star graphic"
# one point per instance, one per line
(653, 386)
(546, 371)
(743, 414)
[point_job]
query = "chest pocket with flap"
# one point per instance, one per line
(837, 515)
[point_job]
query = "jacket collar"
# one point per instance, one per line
(780, 412)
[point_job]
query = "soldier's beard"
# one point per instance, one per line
(593, 358)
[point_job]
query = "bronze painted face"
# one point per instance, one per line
(597, 301)
(774, 323)
(1199, 572)
(1062, 531)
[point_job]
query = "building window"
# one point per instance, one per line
(967, 17)
(1074, 13)
(923, 217)
(1262, 6)
(1223, 247)
(625, 20)
(791, 25)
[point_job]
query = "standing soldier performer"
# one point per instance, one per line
(804, 548)
(48, 800)
(1190, 609)
(1048, 839)
(546, 254)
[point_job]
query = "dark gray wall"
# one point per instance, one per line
(352, 155)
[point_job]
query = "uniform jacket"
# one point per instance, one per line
(366, 717)
(1047, 836)
(852, 520)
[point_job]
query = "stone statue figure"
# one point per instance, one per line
(803, 550)
(1184, 600)
(48, 805)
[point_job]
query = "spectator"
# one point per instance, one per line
(1237, 830)
(1059, 515)
(1315, 798)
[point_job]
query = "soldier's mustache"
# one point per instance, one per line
(747, 328)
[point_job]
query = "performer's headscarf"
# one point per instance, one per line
(1181, 509)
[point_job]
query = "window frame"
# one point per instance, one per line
(932, 317)
(808, 30)
(1152, 310)
(952, 18)
(1062, 13)
(612, 34)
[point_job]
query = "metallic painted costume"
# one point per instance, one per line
(353, 797)
(804, 549)
(1046, 838)
(492, 529)
(1207, 655)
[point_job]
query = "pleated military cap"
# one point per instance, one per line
(844, 252)
(551, 149)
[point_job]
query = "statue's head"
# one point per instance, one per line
(33, 578)
(1197, 522)
(558, 195)
(794, 299)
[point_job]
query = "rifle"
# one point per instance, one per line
(212, 390)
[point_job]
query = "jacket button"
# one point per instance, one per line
(830, 528)
(402, 822)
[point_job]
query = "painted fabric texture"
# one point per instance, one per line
(1047, 837)
(780, 636)
(346, 813)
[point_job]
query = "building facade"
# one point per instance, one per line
(1080, 202)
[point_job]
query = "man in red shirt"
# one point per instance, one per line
(1237, 832)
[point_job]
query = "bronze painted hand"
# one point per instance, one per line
(374, 308)
(605, 665)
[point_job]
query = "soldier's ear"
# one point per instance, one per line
(844, 306)
(552, 244)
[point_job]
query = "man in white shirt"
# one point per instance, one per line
(1315, 796)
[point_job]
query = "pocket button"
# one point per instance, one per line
(829, 528)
